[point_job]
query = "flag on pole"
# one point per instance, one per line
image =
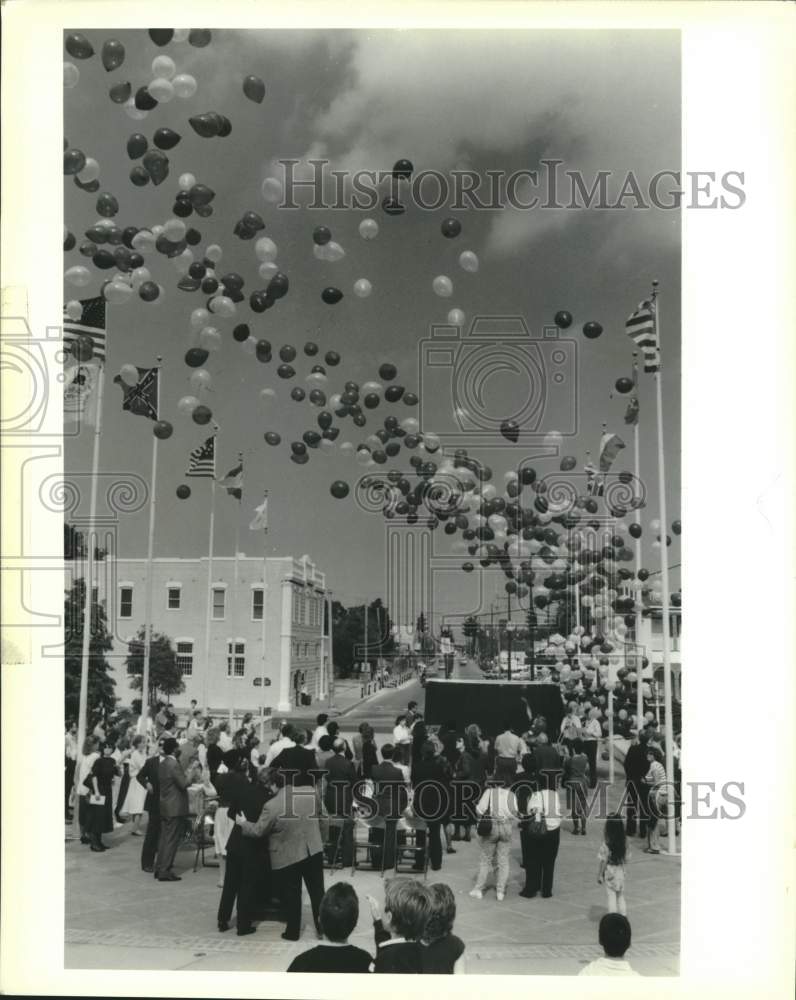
(143, 398)
(632, 412)
(595, 484)
(260, 519)
(90, 324)
(81, 392)
(202, 463)
(610, 446)
(233, 481)
(641, 328)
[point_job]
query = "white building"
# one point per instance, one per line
(651, 639)
(284, 620)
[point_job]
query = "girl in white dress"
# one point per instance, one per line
(136, 793)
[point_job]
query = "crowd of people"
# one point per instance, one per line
(284, 810)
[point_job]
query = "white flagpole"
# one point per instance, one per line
(231, 680)
(264, 663)
(209, 607)
(88, 578)
(143, 719)
(637, 519)
(667, 676)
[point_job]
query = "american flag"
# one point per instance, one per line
(202, 462)
(142, 398)
(641, 327)
(90, 324)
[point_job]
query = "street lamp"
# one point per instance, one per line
(509, 637)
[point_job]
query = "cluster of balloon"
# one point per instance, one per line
(248, 225)
(211, 125)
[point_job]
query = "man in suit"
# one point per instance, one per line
(546, 766)
(636, 793)
(296, 762)
(149, 777)
(292, 822)
(391, 795)
(341, 774)
(173, 809)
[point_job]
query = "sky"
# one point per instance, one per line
(484, 101)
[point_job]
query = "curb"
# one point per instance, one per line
(368, 697)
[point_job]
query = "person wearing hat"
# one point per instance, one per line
(173, 810)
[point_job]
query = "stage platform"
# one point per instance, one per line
(492, 704)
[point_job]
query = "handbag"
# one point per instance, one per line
(96, 800)
(484, 827)
(536, 825)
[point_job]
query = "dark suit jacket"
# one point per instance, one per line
(292, 820)
(247, 798)
(546, 760)
(339, 792)
(173, 789)
(150, 772)
(636, 764)
(389, 789)
(298, 759)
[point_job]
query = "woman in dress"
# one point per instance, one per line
(136, 793)
(99, 782)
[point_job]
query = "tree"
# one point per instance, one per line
(165, 675)
(75, 545)
(101, 699)
(349, 633)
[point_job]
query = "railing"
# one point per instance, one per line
(371, 687)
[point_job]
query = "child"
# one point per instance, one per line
(407, 905)
(612, 855)
(443, 951)
(337, 916)
(614, 936)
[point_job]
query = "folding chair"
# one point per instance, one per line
(369, 848)
(332, 846)
(411, 827)
(198, 834)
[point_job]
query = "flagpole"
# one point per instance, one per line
(143, 718)
(209, 607)
(667, 677)
(88, 577)
(231, 680)
(263, 663)
(637, 519)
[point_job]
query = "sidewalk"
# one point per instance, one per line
(347, 696)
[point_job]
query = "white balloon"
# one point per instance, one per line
(272, 190)
(74, 310)
(186, 182)
(335, 400)
(199, 318)
(430, 441)
(200, 380)
(368, 229)
(143, 241)
(184, 85)
(181, 34)
(363, 457)
(410, 425)
(133, 112)
(554, 439)
(221, 305)
(163, 66)
(468, 261)
(329, 251)
(443, 286)
(369, 387)
(174, 230)
(71, 75)
(214, 253)
(316, 380)
(346, 448)
(267, 396)
(129, 374)
(250, 345)
(456, 317)
(78, 275)
(117, 293)
(210, 339)
(265, 249)
(139, 276)
(187, 405)
(362, 288)
(161, 89)
(157, 231)
(326, 446)
(267, 269)
(90, 172)
(183, 262)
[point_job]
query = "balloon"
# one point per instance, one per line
(272, 190)
(624, 385)
(200, 380)
(74, 161)
(456, 317)
(107, 205)
(391, 206)
(278, 285)
(403, 169)
(210, 339)
(331, 296)
(286, 371)
(163, 66)
(332, 358)
(165, 138)
(143, 100)
(443, 286)
(202, 414)
(129, 374)
(196, 357)
(563, 319)
(71, 75)
(635, 530)
(183, 492)
(568, 463)
(137, 145)
(187, 405)
(163, 430)
(265, 249)
(287, 352)
(222, 305)
(199, 37)
(206, 125)
(410, 399)
(78, 275)
(368, 229)
(161, 36)
(553, 439)
(156, 165)
(112, 54)
(592, 330)
(677, 527)
(387, 371)
(451, 228)
(74, 309)
(78, 46)
(362, 288)
(510, 430)
(161, 90)
(149, 291)
(321, 235)
(184, 85)
(468, 261)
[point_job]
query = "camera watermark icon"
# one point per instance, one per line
(475, 382)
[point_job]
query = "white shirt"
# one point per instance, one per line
(401, 734)
(255, 755)
(319, 731)
(605, 966)
(501, 803)
(276, 748)
(71, 747)
(547, 801)
(224, 741)
(510, 745)
(592, 730)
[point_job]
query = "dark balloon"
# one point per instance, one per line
(103, 259)
(69, 242)
(144, 101)
(78, 46)
(510, 430)
(393, 393)
(387, 371)
(311, 438)
(182, 209)
(624, 385)
(324, 420)
(410, 399)
(183, 492)
(253, 221)
(225, 127)
(298, 448)
(107, 205)
(202, 414)
(82, 349)
(206, 125)
(332, 358)
(137, 145)
(254, 89)
(232, 282)
(74, 161)
(392, 206)
(318, 397)
(163, 430)
(120, 92)
(403, 169)
(199, 37)
(196, 357)
(272, 438)
(156, 165)
(149, 291)
(563, 319)
(209, 285)
(300, 459)
(677, 527)
(339, 489)
(91, 188)
(527, 475)
(287, 353)
(359, 419)
(298, 394)
(321, 235)
(592, 330)
(161, 36)
(635, 530)
(193, 237)
(568, 463)
(331, 296)
(259, 300)
(201, 194)
(188, 284)
(371, 401)
(242, 333)
(286, 371)
(165, 138)
(451, 228)
(112, 54)
(278, 285)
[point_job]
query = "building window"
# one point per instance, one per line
(125, 602)
(185, 657)
(257, 605)
(306, 650)
(173, 602)
(236, 658)
(219, 603)
(317, 649)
